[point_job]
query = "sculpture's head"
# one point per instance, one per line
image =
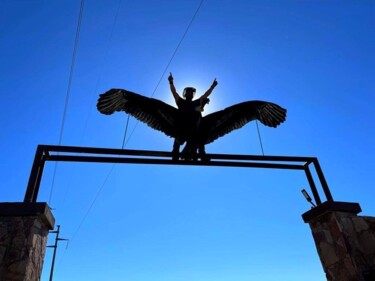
(189, 93)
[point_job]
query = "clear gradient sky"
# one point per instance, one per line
(315, 58)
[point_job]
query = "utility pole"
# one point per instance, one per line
(55, 249)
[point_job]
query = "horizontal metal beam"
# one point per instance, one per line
(165, 154)
(124, 160)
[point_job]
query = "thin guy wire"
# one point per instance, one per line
(260, 137)
(68, 91)
(126, 130)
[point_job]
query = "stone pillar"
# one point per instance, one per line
(23, 236)
(345, 242)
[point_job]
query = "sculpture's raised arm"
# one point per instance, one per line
(209, 91)
(173, 89)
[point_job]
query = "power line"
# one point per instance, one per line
(109, 41)
(72, 69)
(87, 120)
(67, 96)
(93, 202)
(170, 61)
(126, 128)
(67, 99)
(178, 46)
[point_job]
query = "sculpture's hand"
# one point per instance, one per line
(170, 78)
(214, 84)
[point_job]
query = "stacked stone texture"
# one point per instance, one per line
(22, 248)
(346, 245)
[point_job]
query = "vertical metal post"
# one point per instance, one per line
(35, 176)
(312, 185)
(55, 250)
(323, 181)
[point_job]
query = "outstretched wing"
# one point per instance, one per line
(222, 122)
(155, 113)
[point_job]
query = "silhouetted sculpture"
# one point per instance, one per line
(191, 117)
(186, 123)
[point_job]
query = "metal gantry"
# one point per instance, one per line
(128, 156)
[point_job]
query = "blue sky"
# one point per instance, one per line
(315, 58)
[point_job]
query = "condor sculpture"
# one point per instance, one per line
(182, 125)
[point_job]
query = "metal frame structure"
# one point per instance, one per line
(107, 155)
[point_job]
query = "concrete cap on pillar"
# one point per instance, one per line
(331, 206)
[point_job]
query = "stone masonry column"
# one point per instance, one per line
(23, 236)
(345, 242)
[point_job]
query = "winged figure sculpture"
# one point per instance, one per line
(185, 124)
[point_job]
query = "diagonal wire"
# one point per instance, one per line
(92, 203)
(170, 61)
(178, 46)
(68, 91)
(260, 137)
(113, 166)
(84, 130)
(96, 86)
(109, 40)
(126, 130)
(124, 143)
(87, 212)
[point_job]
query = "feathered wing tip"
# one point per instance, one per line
(154, 113)
(271, 114)
(111, 101)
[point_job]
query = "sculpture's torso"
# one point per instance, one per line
(190, 116)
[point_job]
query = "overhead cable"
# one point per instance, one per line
(68, 91)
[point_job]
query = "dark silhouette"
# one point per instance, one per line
(190, 120)
(186, 123)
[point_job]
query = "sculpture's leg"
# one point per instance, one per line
(193, 152)
(189, 152)
(176, 150)
(202, 153)
(185, 154)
